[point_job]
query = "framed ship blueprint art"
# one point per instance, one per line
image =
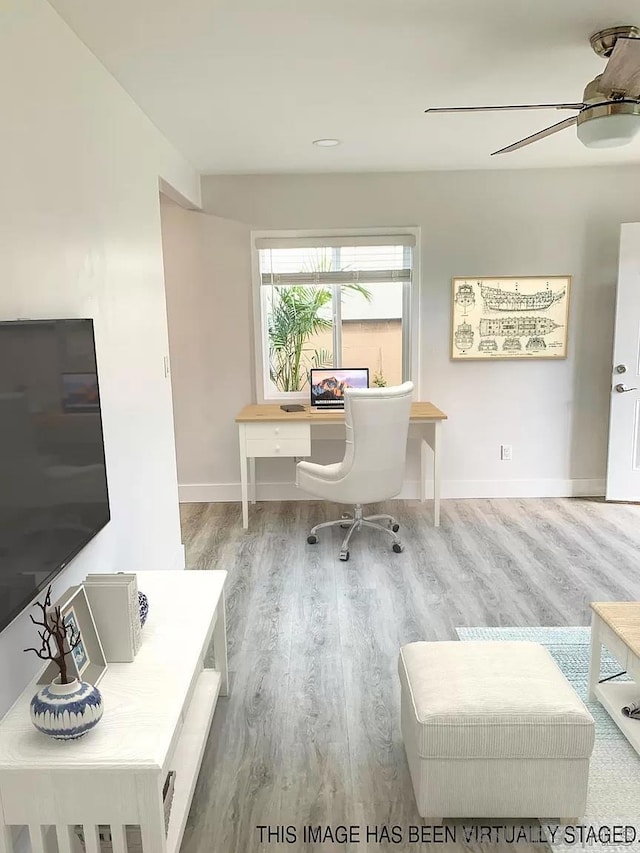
(510, 317)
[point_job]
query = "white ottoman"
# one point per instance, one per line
(493, 729)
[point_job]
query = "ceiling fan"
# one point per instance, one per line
(609, 114)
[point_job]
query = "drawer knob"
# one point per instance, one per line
(277, 448)
(277, 430)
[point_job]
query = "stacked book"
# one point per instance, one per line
(114, 602)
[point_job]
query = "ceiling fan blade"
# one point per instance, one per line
(510, 107)
(554, 128)
(622, 74)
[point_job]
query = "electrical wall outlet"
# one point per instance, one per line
(505, 453)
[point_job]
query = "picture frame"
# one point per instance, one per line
(509, 317)
(78, 652)
(86, 661)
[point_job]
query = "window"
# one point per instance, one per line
(333, 302)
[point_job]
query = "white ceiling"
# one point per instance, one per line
(246, 85)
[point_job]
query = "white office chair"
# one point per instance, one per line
(377, 422)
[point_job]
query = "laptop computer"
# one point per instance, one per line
(328, 386)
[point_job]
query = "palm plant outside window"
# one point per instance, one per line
(333, 306)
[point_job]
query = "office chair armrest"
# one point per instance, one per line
(331, 472)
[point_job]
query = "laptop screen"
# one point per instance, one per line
(327, 386)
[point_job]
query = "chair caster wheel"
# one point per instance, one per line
(345, 526)
(344, 556)
(395, 527)
(312, 539)
(397, 547)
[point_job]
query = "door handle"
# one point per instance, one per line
(622, 390)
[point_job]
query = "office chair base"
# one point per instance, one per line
(355, 522)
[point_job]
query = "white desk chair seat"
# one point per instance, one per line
(377, 423)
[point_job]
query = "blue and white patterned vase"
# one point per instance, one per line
(66, 711)
(143, 605)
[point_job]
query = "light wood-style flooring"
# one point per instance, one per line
(310, 732)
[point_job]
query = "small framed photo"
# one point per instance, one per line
(86, 661)
(517, 318)
(78, 652)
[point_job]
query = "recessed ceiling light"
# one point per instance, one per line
(326, 143)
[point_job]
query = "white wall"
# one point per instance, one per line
(539, 222)
(80, 237)
(207, 267)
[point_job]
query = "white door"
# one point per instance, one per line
(623, 466)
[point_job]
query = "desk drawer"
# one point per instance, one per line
(615, 645)
(279, 447)
(281, 431)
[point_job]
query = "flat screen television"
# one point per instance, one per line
(53, 485)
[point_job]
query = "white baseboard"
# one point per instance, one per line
(223, 492)
(551, 488)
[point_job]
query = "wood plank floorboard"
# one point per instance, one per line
(310, 732)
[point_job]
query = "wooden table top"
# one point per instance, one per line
(623, 617)
(272, 412)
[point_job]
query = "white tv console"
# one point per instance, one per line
(157, 714)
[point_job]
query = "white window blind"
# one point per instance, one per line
(320, 242)
(337, 263)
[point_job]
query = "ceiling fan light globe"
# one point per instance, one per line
(608, 131)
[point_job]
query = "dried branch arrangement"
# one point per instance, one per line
(57, 639)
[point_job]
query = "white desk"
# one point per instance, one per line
(157, 714)
(266, 431)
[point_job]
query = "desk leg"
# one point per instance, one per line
(437, 442)
(151, 810)
(252, 477)
(118, 837)
(220, 646)
(91, 837)
(37, 838)
(423, 469)
(66, 838)
(243, 475)
(596, 655)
